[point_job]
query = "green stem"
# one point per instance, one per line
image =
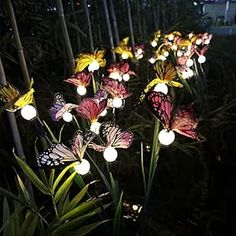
(55, 207)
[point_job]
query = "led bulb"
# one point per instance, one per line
(117, 102)
(152, 60)
(124, 55)
(161, 87)
(28, 112)
(201, 59)
(82, 167)
(139, 51)
(153, 43)
(171, 37)
(126, 77)
(189, 62)
(94, 65)
(115, 75)
(174, 47)
(166, 137)
(95, 126)
(104, 112)
(110, 154)
(67, 117)
(198, 41)
(190, 73)
(179, 53)
(81, 90)
(166, 53)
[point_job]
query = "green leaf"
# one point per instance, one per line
(117, 217)
(80, 209)
(32, 176)
(78, 221)
(29, 225)
(87, 228)
(6, 220)
(60, 176)
(23, 189)
(63, 203)
(64, 187)
(54, 139)
(51, 178)
(78, 197)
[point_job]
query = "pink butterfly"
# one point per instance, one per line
(114, 136)
(183, 121)
(80, 79)
(91, 109)
(115, 89)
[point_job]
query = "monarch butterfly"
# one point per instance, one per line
(59, 154)
(13, 98)
(182, 121)
(59, 107)
(166, 73)
(114, 136)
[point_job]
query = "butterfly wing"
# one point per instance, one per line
(58, 104)
(115, 137)
(184, 122)
(161, 106)
(56, 155)
(90, 109)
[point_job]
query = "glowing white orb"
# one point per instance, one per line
(124, 55)
(94, 65)
(81, 90)
(28, 112)
(207, 41)
(161, 87)
(110, 154)
(166, 53)
(104, 112)
(82, 167)
(174, 47)
(139, 51)
(179, 53)
(115, 75)
(117, 102)
(95, 126)
(166, 137)
(190, 73)
(135, 207)
(152, 60)
(171, 37)
(201, 59)
(153, 43)
(189, 62)
(67, 117)
(126, 77)
(198, 41)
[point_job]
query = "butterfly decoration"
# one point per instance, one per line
(88, 59)
(56, 155)
(114, 137)
(123, 49)
(59, 154)
(115, 89)
(91, 109)
(182, 121)
(166, 73)
(120, 71)
(14, 99)
(60, 107)
(80, 79)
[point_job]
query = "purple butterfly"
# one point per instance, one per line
(59, 107)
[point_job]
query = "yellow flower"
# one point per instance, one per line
(166, 73)
(91, 60)
(123, 49)
(14, 99)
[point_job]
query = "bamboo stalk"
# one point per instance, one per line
(89, 25)
(12, 120)
(130, 23)
(109, 27)
(65, 34)
(114, 22)
(139, 21)
(19, 46)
